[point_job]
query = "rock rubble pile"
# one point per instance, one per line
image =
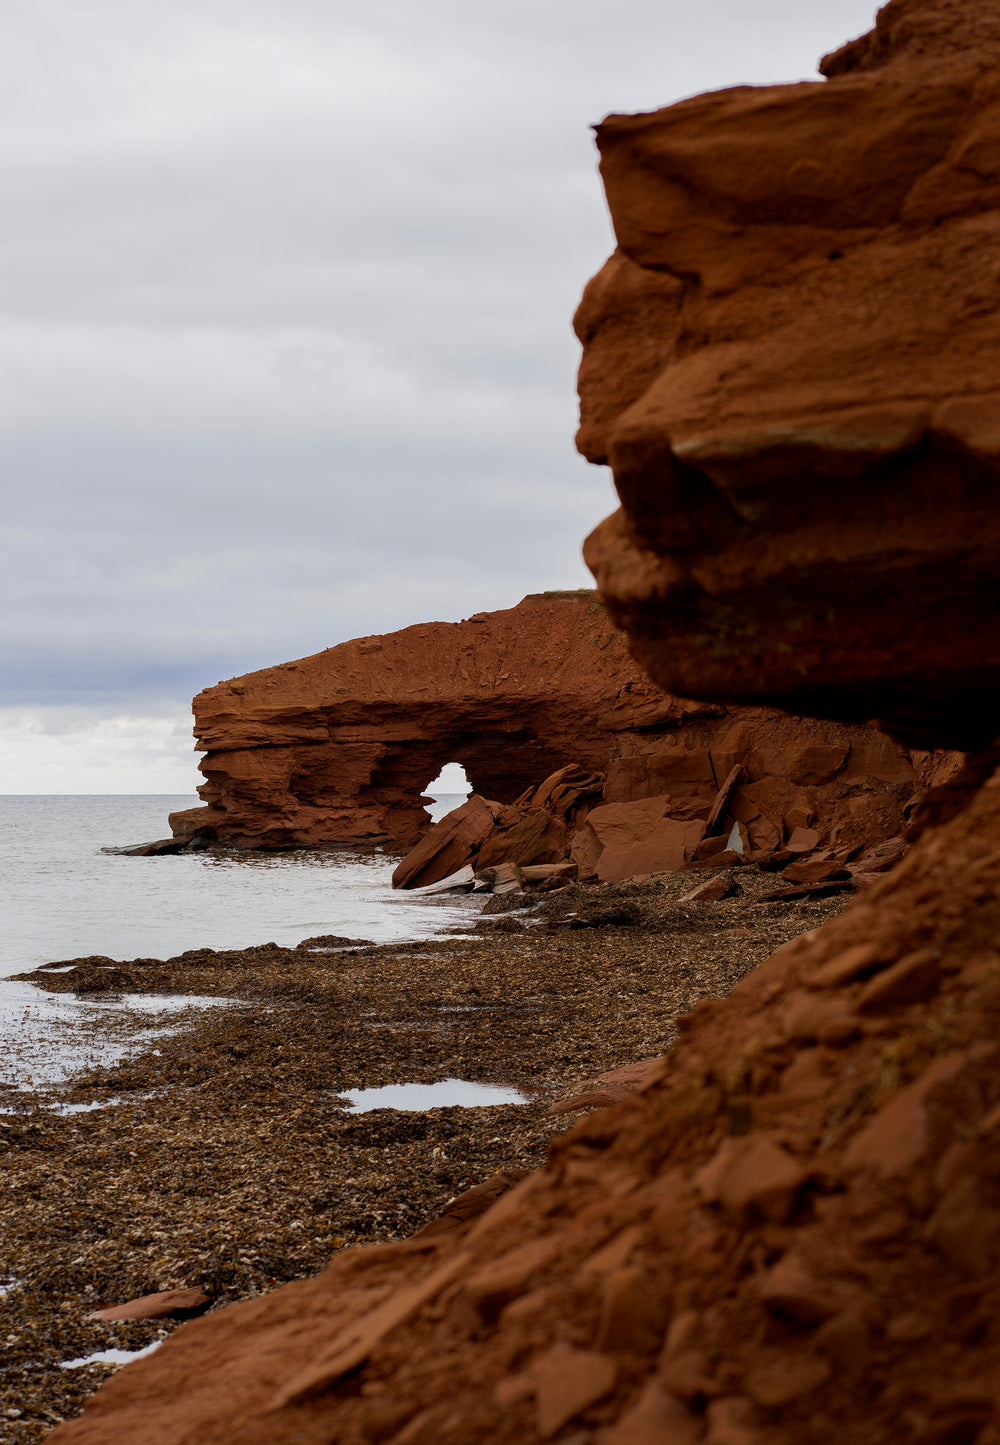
(809, 824)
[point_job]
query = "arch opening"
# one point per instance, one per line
(448, 790)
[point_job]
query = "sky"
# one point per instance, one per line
(286, 353)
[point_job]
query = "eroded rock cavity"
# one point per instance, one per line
(338, 747)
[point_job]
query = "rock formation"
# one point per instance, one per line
(338, 747)
(750, 786)
(792, 365)
(790, 1233)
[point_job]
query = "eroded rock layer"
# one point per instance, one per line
(792, 365)
(338, 747)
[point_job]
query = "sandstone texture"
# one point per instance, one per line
(337, 748)
(824, 804)
(792, 366)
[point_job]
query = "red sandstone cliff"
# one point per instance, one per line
(792, 365)
(338, 747)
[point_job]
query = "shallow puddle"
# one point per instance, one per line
(87, 1108)
(445, 1094)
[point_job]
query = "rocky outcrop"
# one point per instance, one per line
(535, 830)
(792, 365)
(339, 747)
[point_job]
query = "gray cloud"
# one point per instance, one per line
(286, 291)
(170, 562)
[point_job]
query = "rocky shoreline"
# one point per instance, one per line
(229, 1161)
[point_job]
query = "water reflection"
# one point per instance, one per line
(47, 1038)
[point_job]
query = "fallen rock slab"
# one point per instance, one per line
(609, 1087)
(722, 799)
(728, 858)
(166, 1304)
(462, 881)
(507, 878)
(449, 846)
(713, 890)
(816, 870)
(806, 890)
(161, 847)
(549, 873)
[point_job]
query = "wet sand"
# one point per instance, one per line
(230, 1160)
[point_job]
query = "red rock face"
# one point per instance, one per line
(790, 1233)
(339, 747)
(743, 785)
(792, 365)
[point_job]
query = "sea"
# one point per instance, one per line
(67, 894)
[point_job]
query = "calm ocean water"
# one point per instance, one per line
(64, 898)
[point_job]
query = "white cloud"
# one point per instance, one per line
(76, 750)
(279, 381)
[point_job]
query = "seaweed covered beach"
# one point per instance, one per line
(223, 1153)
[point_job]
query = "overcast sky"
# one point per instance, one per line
(286, 354)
